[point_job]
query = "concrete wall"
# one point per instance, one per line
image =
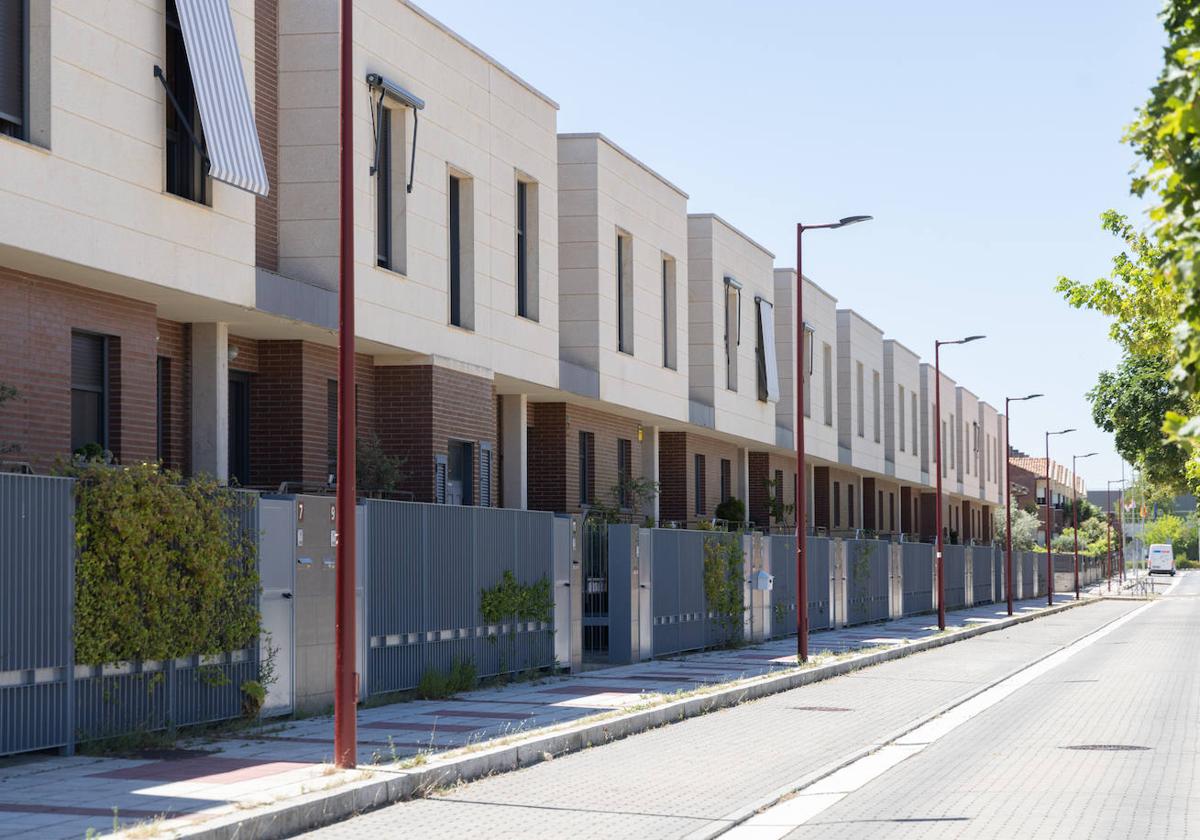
(902, 414)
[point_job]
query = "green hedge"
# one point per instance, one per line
(163, 569)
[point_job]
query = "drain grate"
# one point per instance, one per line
(1106, 747)
(820, 709)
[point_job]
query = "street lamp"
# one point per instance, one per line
(1049, 521)
(937, 430)
(1075, 515)
(801, 476)
(1008, 575)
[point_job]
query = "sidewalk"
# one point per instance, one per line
(205, 783)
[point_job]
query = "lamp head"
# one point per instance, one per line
(852, 220)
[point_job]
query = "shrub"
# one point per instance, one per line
(253, 697)
(434, 685)
(723, 569)
(162, 570)
(733, 511)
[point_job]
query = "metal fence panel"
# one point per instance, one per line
(426, 568)
(37, 588)
(1028, 573)
(783, 591)
(954, 570)
(998, 570)
(981, 575)
(916, 566)
(867, 581)
(681, 619)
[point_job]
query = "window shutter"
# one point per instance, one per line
(485, 475)
(439, 479)
(12, 61)
(87, 361)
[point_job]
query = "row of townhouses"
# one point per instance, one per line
(540, 315)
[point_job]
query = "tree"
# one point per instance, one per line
(1087, 510)
(1165, 529)
(1132, 403)
(1025, 527)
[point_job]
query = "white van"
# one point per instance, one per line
(1162, 560)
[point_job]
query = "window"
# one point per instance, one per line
(764, 351)
(89, 390)
(187, 168)
(837, 504)
(875, 407)
(733, 330)
(390, 195)
(624, 293)
(460, 472)
(915, 425)
(849, 505)
(943, 449)
(462, 252)
(698, 488)
(827, 382)
(162, 408)
(239, 427)
(892, 512)
(900, 415)
(527, 249)
(861, 398)
(669, 308)
(726, 480)
(953, 438)
(14, 69)
(805, 373)
(587, 467)
(624, 470)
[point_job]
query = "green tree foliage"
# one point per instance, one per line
(1132, 403)
(1025, 527)
(162, 570)
(723, 571)
(1166, 529)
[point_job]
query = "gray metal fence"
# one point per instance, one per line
(916, 569)
(981, 574)
(681, 618)
(998, 572)
(426, 566)
(46, 700)
(867, 581)
(1028, 573)
(954, 567)
(783, 591)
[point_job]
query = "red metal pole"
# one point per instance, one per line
(345, 695)
(1008, 584)
(1049, 513)
(801, 468)
(1108, 539)
(1075, 517)
(937, 431)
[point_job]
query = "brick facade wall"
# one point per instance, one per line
(554, 455)
(673, 490)
(175, 345)
(37, 315)
(266, 119)
(420, 408)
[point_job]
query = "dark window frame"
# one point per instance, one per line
(162, 407)
(726, 480)
(186, 166)
(455, 223)
(624, 471)
(587, 468)
(522, 249)
(244, 379)
(103, 390)
(698, 469)
(20, 130)
(383, 192)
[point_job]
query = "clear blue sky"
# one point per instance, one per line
(983, 137)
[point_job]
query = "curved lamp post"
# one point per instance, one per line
(1008, 576)
(937, 430)
(1050, 520)
(801, 476)
(1075, 514)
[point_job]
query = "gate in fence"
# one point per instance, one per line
(981, 575)
(998, 569)
(783, 590)
(867, 581)
(1028, 575)
(916, 567)
(954, 570)
(595, 590)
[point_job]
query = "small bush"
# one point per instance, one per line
(434, 685)
(253, 697)
(463, 676)
(733, 511)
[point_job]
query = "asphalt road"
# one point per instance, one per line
(694, 776)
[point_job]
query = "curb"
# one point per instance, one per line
(321, 808)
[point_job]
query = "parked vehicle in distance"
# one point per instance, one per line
(1162, 559)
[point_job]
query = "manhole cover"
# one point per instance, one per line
(821, 709)
(1106, 747)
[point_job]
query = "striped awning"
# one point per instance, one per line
(231, 139)
(768, 370)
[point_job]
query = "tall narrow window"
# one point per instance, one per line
(733, 331)
(915, 425)
(944, 467)
(89, 390)
(239, 427)
(14, 69)
(391, 232)
(900, 412)
(805, 372)
(187, 175)
(837, 504)
(625, 293)
(953, 438)
(624, 470)
(698, 487)
(587, 467)
(162, 409)
(764, 351)
(726, 479)
(827, 382)
(462, 252)
(849, 505)
(527, 249)
(860, 399)
(876, 408)
(669, 307)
